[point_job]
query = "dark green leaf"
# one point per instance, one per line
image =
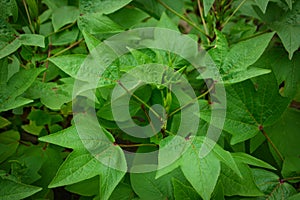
(11, 190)
(285, 132)
(271, 185)
(235, 185)
(181, 191)
(4, 122)
(9, 142)
(251, 106)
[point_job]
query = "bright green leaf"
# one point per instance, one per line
(207, 4)
(104, 6)
(67, 138)
(79, 165)
(202, 173)
(70, 64)
(233, 63)
(248, 159)
(96, 23)
(64, 15)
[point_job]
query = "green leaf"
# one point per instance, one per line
(4, 122)
(11, 190)
(96, 23)
(294, 197)
(51, 94)
(27, 165)
(102, 156)
(9, 142)
(170, 148)
(8, 8)
(207, 4)
(52, 159)
(65, 37)
(271, 185)
(121, 104)
(88, 187)
(122, 192)
(284, 132)
(64, 15)
(40, 117)
(207, 169)
(181, 191)
(128, 17)
(289, 3)
(250, 160)
(235, 185)
(104, 6)
(146, 186)
(251, 106)
(234, 63)
(262, 4)
(286, 26)
(70, 64)
(24, 39)
(16, 86)
(166, 22)
(291, 167)
(79, 165)
(289, 74)
(90, 40)
(66, 138)
(32, 128)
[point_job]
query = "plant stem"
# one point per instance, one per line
(28, 16)
(202, 19)
(68, 48)
(272, 144)
(291, 178)
(183, 18)
(140, 100)
(47, 61)
(62, 29)
(149, 119)
(192, 101)
(252, 36)
(136, 145)
(237, 8)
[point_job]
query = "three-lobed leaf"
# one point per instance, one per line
(233, 63)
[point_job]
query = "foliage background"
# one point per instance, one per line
(255, 45)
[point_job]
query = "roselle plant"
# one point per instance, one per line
(149, 99)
